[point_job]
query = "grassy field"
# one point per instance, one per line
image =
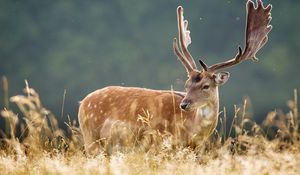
(41, 147)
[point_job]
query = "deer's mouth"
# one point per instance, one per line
(193, 107)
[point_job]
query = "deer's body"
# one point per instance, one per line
(103, 107)
(197, 108)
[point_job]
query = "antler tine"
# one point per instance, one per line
(256, 35)
(205, 67)
(184, 37)
(181, 57)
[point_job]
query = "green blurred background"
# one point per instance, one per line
(83, 45)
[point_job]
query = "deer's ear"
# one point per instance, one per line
(221, 78)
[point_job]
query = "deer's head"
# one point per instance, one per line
(202, 85)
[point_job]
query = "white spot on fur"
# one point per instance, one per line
(206, 112)
(105, 130)
(132, 108)
(89, 105)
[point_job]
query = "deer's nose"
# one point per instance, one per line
(184, 105)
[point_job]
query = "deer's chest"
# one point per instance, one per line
(204, 119)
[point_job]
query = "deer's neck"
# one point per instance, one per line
(206, 117)
(208, 113)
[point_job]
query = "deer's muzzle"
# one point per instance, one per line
(185, 105)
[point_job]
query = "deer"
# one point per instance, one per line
(198, 105)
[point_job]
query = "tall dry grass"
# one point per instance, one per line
(34, 144)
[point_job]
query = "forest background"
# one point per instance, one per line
(79, 46)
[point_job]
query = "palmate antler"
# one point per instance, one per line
(257, 29)
(256, 35)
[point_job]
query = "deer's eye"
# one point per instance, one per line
(205, 87)
(196, 79)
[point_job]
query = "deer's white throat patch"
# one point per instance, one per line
(205, 115)
(205, 112)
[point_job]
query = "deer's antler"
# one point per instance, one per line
(257, 29)
(184, 40)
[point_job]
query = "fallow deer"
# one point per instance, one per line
(198, 106)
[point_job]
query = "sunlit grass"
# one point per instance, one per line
(39, 146)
